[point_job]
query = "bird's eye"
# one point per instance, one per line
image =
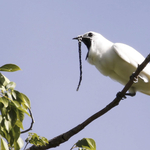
(90, 34)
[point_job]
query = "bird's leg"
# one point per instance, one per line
(118, 95)
(135, 80)
(130, 94)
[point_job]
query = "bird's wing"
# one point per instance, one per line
(133, 57)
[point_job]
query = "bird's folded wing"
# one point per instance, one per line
(131, 56)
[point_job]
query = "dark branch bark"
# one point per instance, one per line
(67, 135)
(32, 122)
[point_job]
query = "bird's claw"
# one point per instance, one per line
(119, 96)
(130, 94)
(135, 78)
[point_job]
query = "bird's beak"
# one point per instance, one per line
(86, 41)
(78, 38)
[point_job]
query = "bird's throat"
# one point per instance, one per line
(87, 42)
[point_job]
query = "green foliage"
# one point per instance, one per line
(9, 68)
(85, 144)
(33, 138)
(4, 145)
(13, 106)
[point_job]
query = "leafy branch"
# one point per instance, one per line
(33, 138)
(56, 141)
(13, 107)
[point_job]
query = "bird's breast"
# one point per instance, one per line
(101, 61)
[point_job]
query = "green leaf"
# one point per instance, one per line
(10, 138)
(20, 115)
(14, 135)
(7, 125)
(2, 88)
(4, 132)
(19, 97)
(8, 93)
(22, 99)
(1, 132)
(17, 132)
(44, 140)
(4, 101)
(9, 68)
(14, 94)
(19, 107)
(11, 85)
(3, 80)
(16, 103)
(3, 111)
(24, 110)
(13, 116)
(26, 100)
(4, 145)
(1, 118)
(19, 124)
(19, 144)
(33, 138)
(86, 143)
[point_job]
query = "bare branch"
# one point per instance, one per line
(67, 135)
(32, 121)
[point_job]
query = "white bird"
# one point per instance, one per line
(116, 60)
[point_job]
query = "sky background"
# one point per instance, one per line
(37, 36)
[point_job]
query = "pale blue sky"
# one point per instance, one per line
(37, 36)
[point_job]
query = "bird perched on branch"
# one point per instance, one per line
(116, 60)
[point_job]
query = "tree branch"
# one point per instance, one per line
(32, 121)
(67, 135)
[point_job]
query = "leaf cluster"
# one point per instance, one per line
(36, 140)
(85, 144)
(13, 107)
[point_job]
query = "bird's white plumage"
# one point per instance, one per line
(116, 60)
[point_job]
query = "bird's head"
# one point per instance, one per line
(94, 41)
(87, 38)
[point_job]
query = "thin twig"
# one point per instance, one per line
(32, 122)
(26, 145)
(67, 135)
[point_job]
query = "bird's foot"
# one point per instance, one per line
(130, 94)
(135, 79)
(118, 95)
